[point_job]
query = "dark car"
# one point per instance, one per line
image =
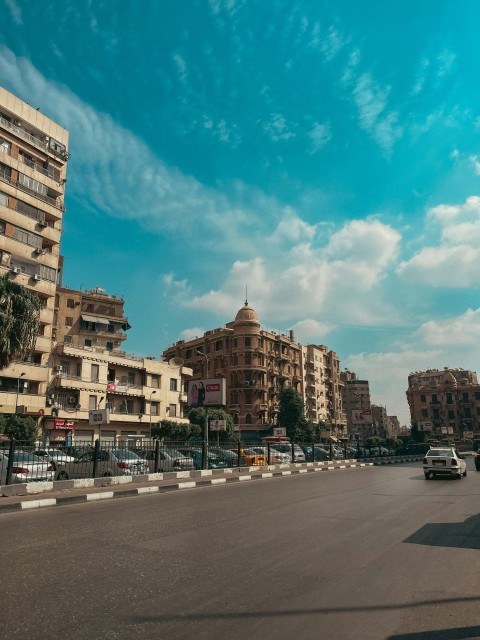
(476, 459)
(214, 461)
(320, 455)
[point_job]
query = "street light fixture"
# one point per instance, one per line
(18, 390)
(153, 392)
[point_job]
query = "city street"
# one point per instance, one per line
(374, 553)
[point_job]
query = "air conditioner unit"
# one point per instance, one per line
(42, 223)
(36, 276)
(58, 368)
(39, 251)
(15, 270)
(72, 400)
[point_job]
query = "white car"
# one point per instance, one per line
(444, 461)
(26, 467)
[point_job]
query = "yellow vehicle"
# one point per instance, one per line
(252, 458)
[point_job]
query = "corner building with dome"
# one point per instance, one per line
(256, 364)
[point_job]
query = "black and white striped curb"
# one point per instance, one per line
(167, 488)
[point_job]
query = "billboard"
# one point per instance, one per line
(99, 416)
(362, 416)
(218, 425)
(207, 392)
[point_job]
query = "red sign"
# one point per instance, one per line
(63, 424)
(111, 387)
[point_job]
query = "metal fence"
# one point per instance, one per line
(21, 462)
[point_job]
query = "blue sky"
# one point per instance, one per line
(324, 154)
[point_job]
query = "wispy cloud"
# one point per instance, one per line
(319, 135)
(15, 11)
(278, 129)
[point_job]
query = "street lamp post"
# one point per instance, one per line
(205, 425)
(153, 392)
(18, 390)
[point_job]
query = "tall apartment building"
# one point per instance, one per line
(445, 402)
(357, 404)
(255, 364)
(33, 163)
(323, 388)
(90, 371)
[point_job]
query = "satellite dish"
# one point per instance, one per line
(176, 362)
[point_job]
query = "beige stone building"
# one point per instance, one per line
(92, 372)
(33, 164)
(255, 364)
(445, 402)
(357, 405)
(322, 388)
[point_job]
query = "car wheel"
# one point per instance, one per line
(464, 473)
(62, 475)
(107, 474)
(427, 475)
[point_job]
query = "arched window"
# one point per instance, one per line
(248, 418)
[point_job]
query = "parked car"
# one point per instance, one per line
(315, 453)
(231, 457)
(76, 450)
(168, 460)
(26, 468)
(276, 456)
(253, 458)
(298, 454)
(111, 462)
(476, 459)
(214, 461)
(444, 461)
(54, 455)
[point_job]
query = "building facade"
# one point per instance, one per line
(90, 371)
(33, 164)
(445, 402)
(357, 405)
(255, 364)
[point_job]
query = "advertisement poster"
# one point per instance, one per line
(208, 392)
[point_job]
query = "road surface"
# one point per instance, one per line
(374, 553)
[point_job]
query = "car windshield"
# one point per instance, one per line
(251, 452)
(439, 453)
(125, 454)
(26, 457)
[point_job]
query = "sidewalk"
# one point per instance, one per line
(19, 497)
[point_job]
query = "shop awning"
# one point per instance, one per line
(95, 319)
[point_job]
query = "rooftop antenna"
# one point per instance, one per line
(246, 295)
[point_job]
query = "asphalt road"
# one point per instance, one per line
(374, 553)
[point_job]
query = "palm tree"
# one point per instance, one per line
(19, 321)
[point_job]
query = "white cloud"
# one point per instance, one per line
(278, 129)
(453, 261)
(460, 330)
(319, 135)
(15, 11)
(310, 330)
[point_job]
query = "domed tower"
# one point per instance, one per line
(246, 320)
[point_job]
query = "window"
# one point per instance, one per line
(70, 303)
(173, 384)
(154, 408)
(4, 146)
(248, 341)
(131, 378)
(449, 398)
(126, 406)
(3, 199)
(477, 395)
(248, 359)
(5, 172)
(32, 185)
(218, 345)
(68, 321)
(434, 398)
(92, 402)
(88, 342)
(451, 415)
(465, 396)
(424, 413)
(94, 373)
(423, 397)
(67, 339)
(468, 412)
(89, 307)
(155, 382)
(110, 346)
(248, 418)
(172, 410)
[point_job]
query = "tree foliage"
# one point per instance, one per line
(171, 430)
(24, 429)
(292, 415)
(197, 417)
(19, 321)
